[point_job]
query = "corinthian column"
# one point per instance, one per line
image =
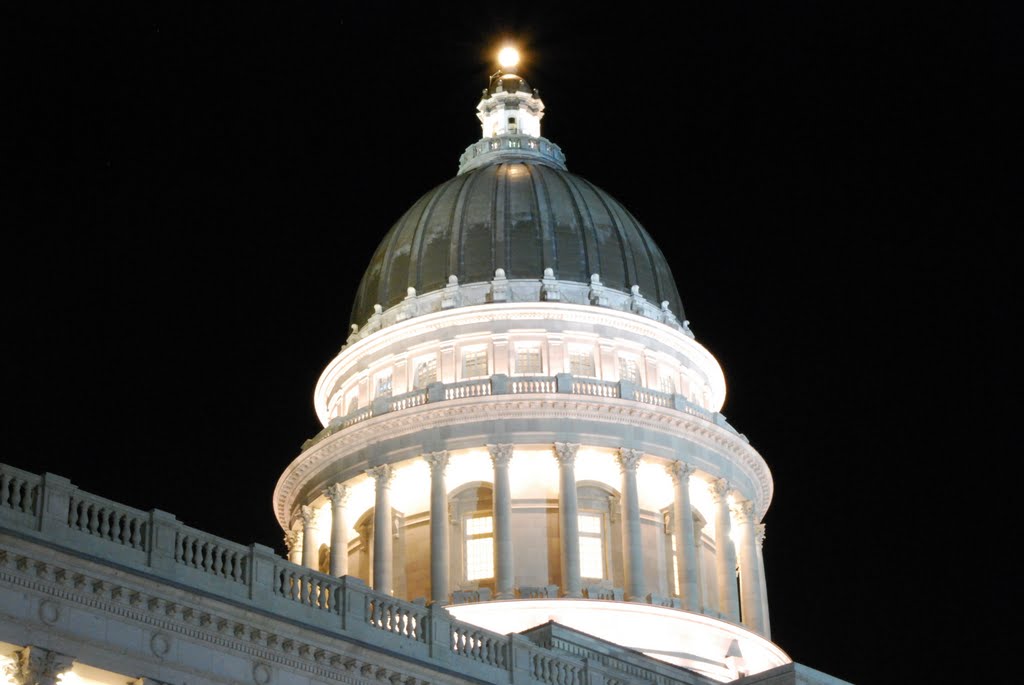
(686, 551)
(309, 550)
(634, 566)
(438, 526)
(293, 541)
(767, 632)
(750, 574)
(37, 666)
(382, 543)
(338, 494)
(504, 578)
(725, 554)
(569, 519)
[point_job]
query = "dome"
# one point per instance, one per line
(508, 83)
(520, 216)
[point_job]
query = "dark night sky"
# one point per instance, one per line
(199, 189)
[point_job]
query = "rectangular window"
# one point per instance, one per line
(479, 547)
(591, 546)
(426, 373)
(581, 362)
(474, 363)
(383, 386)
(528, 360)
(629, 370)
(667, 383)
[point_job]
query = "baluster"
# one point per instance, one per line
(92, 525)
(15, 495)
(206, 553)
(115, 528)
(136, 537)
(72, 509)
(217, 563)
(104, 522)
(4, 482)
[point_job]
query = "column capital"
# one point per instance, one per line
(308, 515)
(38, 666)
(338, 494)
(383, 474)
(743, 511)
(565, 453)
(759, 534)
(719, 490)
(293, 540)
(628, 459)
(438, 461)
(501, 455)
(680, 471)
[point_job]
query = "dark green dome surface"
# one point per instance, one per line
(522, 217)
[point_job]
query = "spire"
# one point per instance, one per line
(510, 112)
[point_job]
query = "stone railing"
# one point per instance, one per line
(51, 510)
(501, 384)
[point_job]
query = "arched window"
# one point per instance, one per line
(472, 562)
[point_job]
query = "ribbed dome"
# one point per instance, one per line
(522, 217)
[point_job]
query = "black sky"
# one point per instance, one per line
(198, 190)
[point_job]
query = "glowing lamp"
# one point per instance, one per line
(508, 57)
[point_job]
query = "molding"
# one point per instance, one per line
(224, 627)
(622, 417)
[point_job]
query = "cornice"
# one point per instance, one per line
(172, 618)
(614, 412)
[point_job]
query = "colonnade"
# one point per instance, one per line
(744, 555)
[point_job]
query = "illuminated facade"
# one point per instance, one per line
(524, 476)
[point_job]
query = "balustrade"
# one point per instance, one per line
(108, 520)
(228, 564)
(211, 555)
(397, 617)
(480, 645)
(19, 491)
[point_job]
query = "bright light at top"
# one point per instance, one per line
(508, 57)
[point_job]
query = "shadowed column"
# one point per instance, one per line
(438, 526)
(686, 551)
(725, 554)
(628, 460)
(338, 495)
(504, 579)
(569, 519)
(382, 542)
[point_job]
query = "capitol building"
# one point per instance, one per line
(524, 476)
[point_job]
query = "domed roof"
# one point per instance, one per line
(508, 83)
(520, 216)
